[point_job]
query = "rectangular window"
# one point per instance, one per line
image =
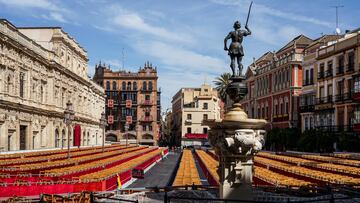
(311, 76)
(205, 130)
(188, 116)
(22, 85)
(205, 117)
(205, 105)
(357, 85)
(330, 90)
(188, 130)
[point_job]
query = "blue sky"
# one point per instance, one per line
(183, 38)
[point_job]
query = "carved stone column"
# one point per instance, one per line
(236, 139)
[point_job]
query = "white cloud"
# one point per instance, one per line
(55, 11)
(42, 4)
(134, 21)
(183, 59)
(54, 16)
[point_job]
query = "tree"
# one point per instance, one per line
(221, 83)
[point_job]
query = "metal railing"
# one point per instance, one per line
(343, 97)
(324, 100)
(329, 73)
(308, 82)
(321, 75)
(335, 128)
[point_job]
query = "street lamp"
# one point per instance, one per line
(103, 124)
(69, 117)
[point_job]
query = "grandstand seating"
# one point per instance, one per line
(314, 164)
(209, 166)
(187, 173)
(88, 169)
(113, 171)
(277, 179)
(306, 172)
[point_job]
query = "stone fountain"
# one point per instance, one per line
(237, 138)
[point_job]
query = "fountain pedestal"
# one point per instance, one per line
(236, 139)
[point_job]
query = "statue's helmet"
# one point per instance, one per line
(237, 25)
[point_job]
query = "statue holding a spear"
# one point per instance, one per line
(235, 50)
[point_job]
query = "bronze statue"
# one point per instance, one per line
(236, 51)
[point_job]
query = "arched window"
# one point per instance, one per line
(129, 86)
(144, 85)
(150, 86)
(107, 85)
(123, 85)
(57, 138)
(88, 138)
(63, 138)
(134, 86)
(114, 85)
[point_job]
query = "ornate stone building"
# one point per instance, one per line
(41, 68)
(132, 99)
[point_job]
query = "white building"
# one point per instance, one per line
(190, 107)
(40, 70)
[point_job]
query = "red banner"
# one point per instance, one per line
(196, 136)
(110, 103)
(77, 135)
(128, 103)
(110, 119)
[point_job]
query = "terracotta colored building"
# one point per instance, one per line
(274, 84)
(132, 99)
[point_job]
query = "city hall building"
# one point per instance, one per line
(41, 69)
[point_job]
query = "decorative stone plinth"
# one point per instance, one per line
(236, 140)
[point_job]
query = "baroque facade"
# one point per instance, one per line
(133, 107)
(274, 85)
(41, 68)
(190, 106)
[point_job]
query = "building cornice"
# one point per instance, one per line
(39, 111)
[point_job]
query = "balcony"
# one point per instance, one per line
(196, 136)
(329, 73)
(336, 128)
(146, 119)
(340, 70)
(323, 100)
(307, 108)
(343, 97)
(281, 118)
(356, 95)
(350, 67)
(308, 82)
(146, 90)
(147, 103)
(321, 75)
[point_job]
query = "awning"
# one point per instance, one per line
(196, 136)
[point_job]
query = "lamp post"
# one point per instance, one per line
(69, 117)
(103, 124)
